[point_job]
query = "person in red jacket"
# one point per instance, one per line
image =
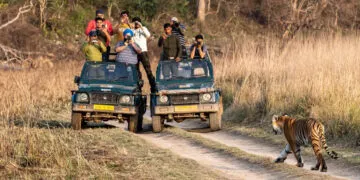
(92, 24)
(106, 25)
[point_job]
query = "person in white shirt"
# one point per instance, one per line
(141, 34)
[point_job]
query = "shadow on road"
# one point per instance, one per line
(58, 124)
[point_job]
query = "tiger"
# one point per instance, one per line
(299, 132)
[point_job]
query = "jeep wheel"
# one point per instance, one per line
(157, 125)
(76, 120)
(215, 121)
(132, 123)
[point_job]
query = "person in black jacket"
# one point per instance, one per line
(178, 32)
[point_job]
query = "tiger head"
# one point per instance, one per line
(278, 123)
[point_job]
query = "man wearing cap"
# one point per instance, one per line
(92, 24)
(141, 34)
(176, 30)
(124, 24)
(94, 48)
(127, 50)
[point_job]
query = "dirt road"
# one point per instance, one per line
(231, 167)
(226, 165)
(253, 146)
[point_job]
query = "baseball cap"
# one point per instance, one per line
(93, 33)
(99, 11)
(128, 32)
(175, 19)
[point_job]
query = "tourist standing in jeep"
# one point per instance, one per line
(127, 50)
(171, 51)
(124, 24)
(176, 30)
(198, 49)
(141, 34)
(93, 48)
(92, 24)
(170, 43)
(105, 27)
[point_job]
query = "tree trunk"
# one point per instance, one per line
(201, 12)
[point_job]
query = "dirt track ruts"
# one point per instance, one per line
(253, 146)
(231, 168)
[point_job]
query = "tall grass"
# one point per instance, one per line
(31, 94)
(310, 76)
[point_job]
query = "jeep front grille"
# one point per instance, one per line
(103, 98)
(184, 99)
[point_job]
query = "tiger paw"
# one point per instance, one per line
(300, 164)
(279, 160)
(314, 168)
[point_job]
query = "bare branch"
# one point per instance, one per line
(217, 9)
(22, 10)
(12, 54)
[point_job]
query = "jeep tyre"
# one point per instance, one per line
(76, 120)
(215, 121)
(133, 123)
(157, 125)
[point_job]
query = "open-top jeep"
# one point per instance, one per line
(107, 91)
(186, 91)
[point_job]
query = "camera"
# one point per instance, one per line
(198, 43)
(128, 39)
(103, 26)
(177, 24)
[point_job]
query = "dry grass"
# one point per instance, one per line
(31, 94)
(31, 153)
(316, 77)
(41, 145)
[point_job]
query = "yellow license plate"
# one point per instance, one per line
(186, 108)
(103, 107)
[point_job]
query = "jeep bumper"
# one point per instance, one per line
(180, 109)
(103, 108)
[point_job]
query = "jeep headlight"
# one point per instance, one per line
(207, 97)
(163, 99)
(126, 99)
(82, 97)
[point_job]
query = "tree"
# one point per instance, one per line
(201, 10)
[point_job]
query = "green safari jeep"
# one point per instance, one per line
(108, 91)
(186, 91)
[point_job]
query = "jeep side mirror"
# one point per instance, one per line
(77, 79)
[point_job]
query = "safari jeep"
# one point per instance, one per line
(108, 91)
(186, 91)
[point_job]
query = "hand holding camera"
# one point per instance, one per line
(138, 23)
(128, 40)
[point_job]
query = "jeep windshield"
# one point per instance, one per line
(184, 70)
(113, 72)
